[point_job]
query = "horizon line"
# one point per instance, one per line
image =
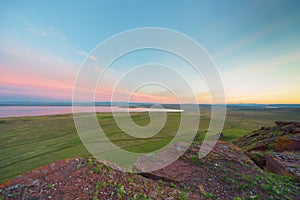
(70, 103)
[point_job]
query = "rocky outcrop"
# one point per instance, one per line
(289, 127)
(288, 143)
(275, 149)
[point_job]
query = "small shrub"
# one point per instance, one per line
(209, 195)
(121, 192)
(90, 162)
(100, 185)
(195, 160)
(97, 169)
(172, 185)
(183, 196)
(129, 180)
(139, 197)
(49, 186)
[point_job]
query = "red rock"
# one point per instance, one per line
(260, 147)
(285, 143)
(274, 165)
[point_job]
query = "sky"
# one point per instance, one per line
(255, 46)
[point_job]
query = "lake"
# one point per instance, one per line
(22, 111)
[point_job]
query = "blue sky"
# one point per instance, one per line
(255, 44)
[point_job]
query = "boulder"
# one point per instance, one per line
(274, 165)
(285, 163)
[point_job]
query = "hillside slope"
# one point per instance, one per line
(226, 173)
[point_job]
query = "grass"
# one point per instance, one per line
(29, 142)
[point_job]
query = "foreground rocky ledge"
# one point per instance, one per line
(226, 173)
(276, 149)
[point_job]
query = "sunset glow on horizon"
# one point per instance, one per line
(254, 44)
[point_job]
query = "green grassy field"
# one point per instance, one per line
(30, 142)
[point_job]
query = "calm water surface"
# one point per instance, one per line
(21, 111)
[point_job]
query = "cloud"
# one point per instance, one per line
(35, 72)
(85, 54)
(39, 32)
(48, 31)
(234, 47)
